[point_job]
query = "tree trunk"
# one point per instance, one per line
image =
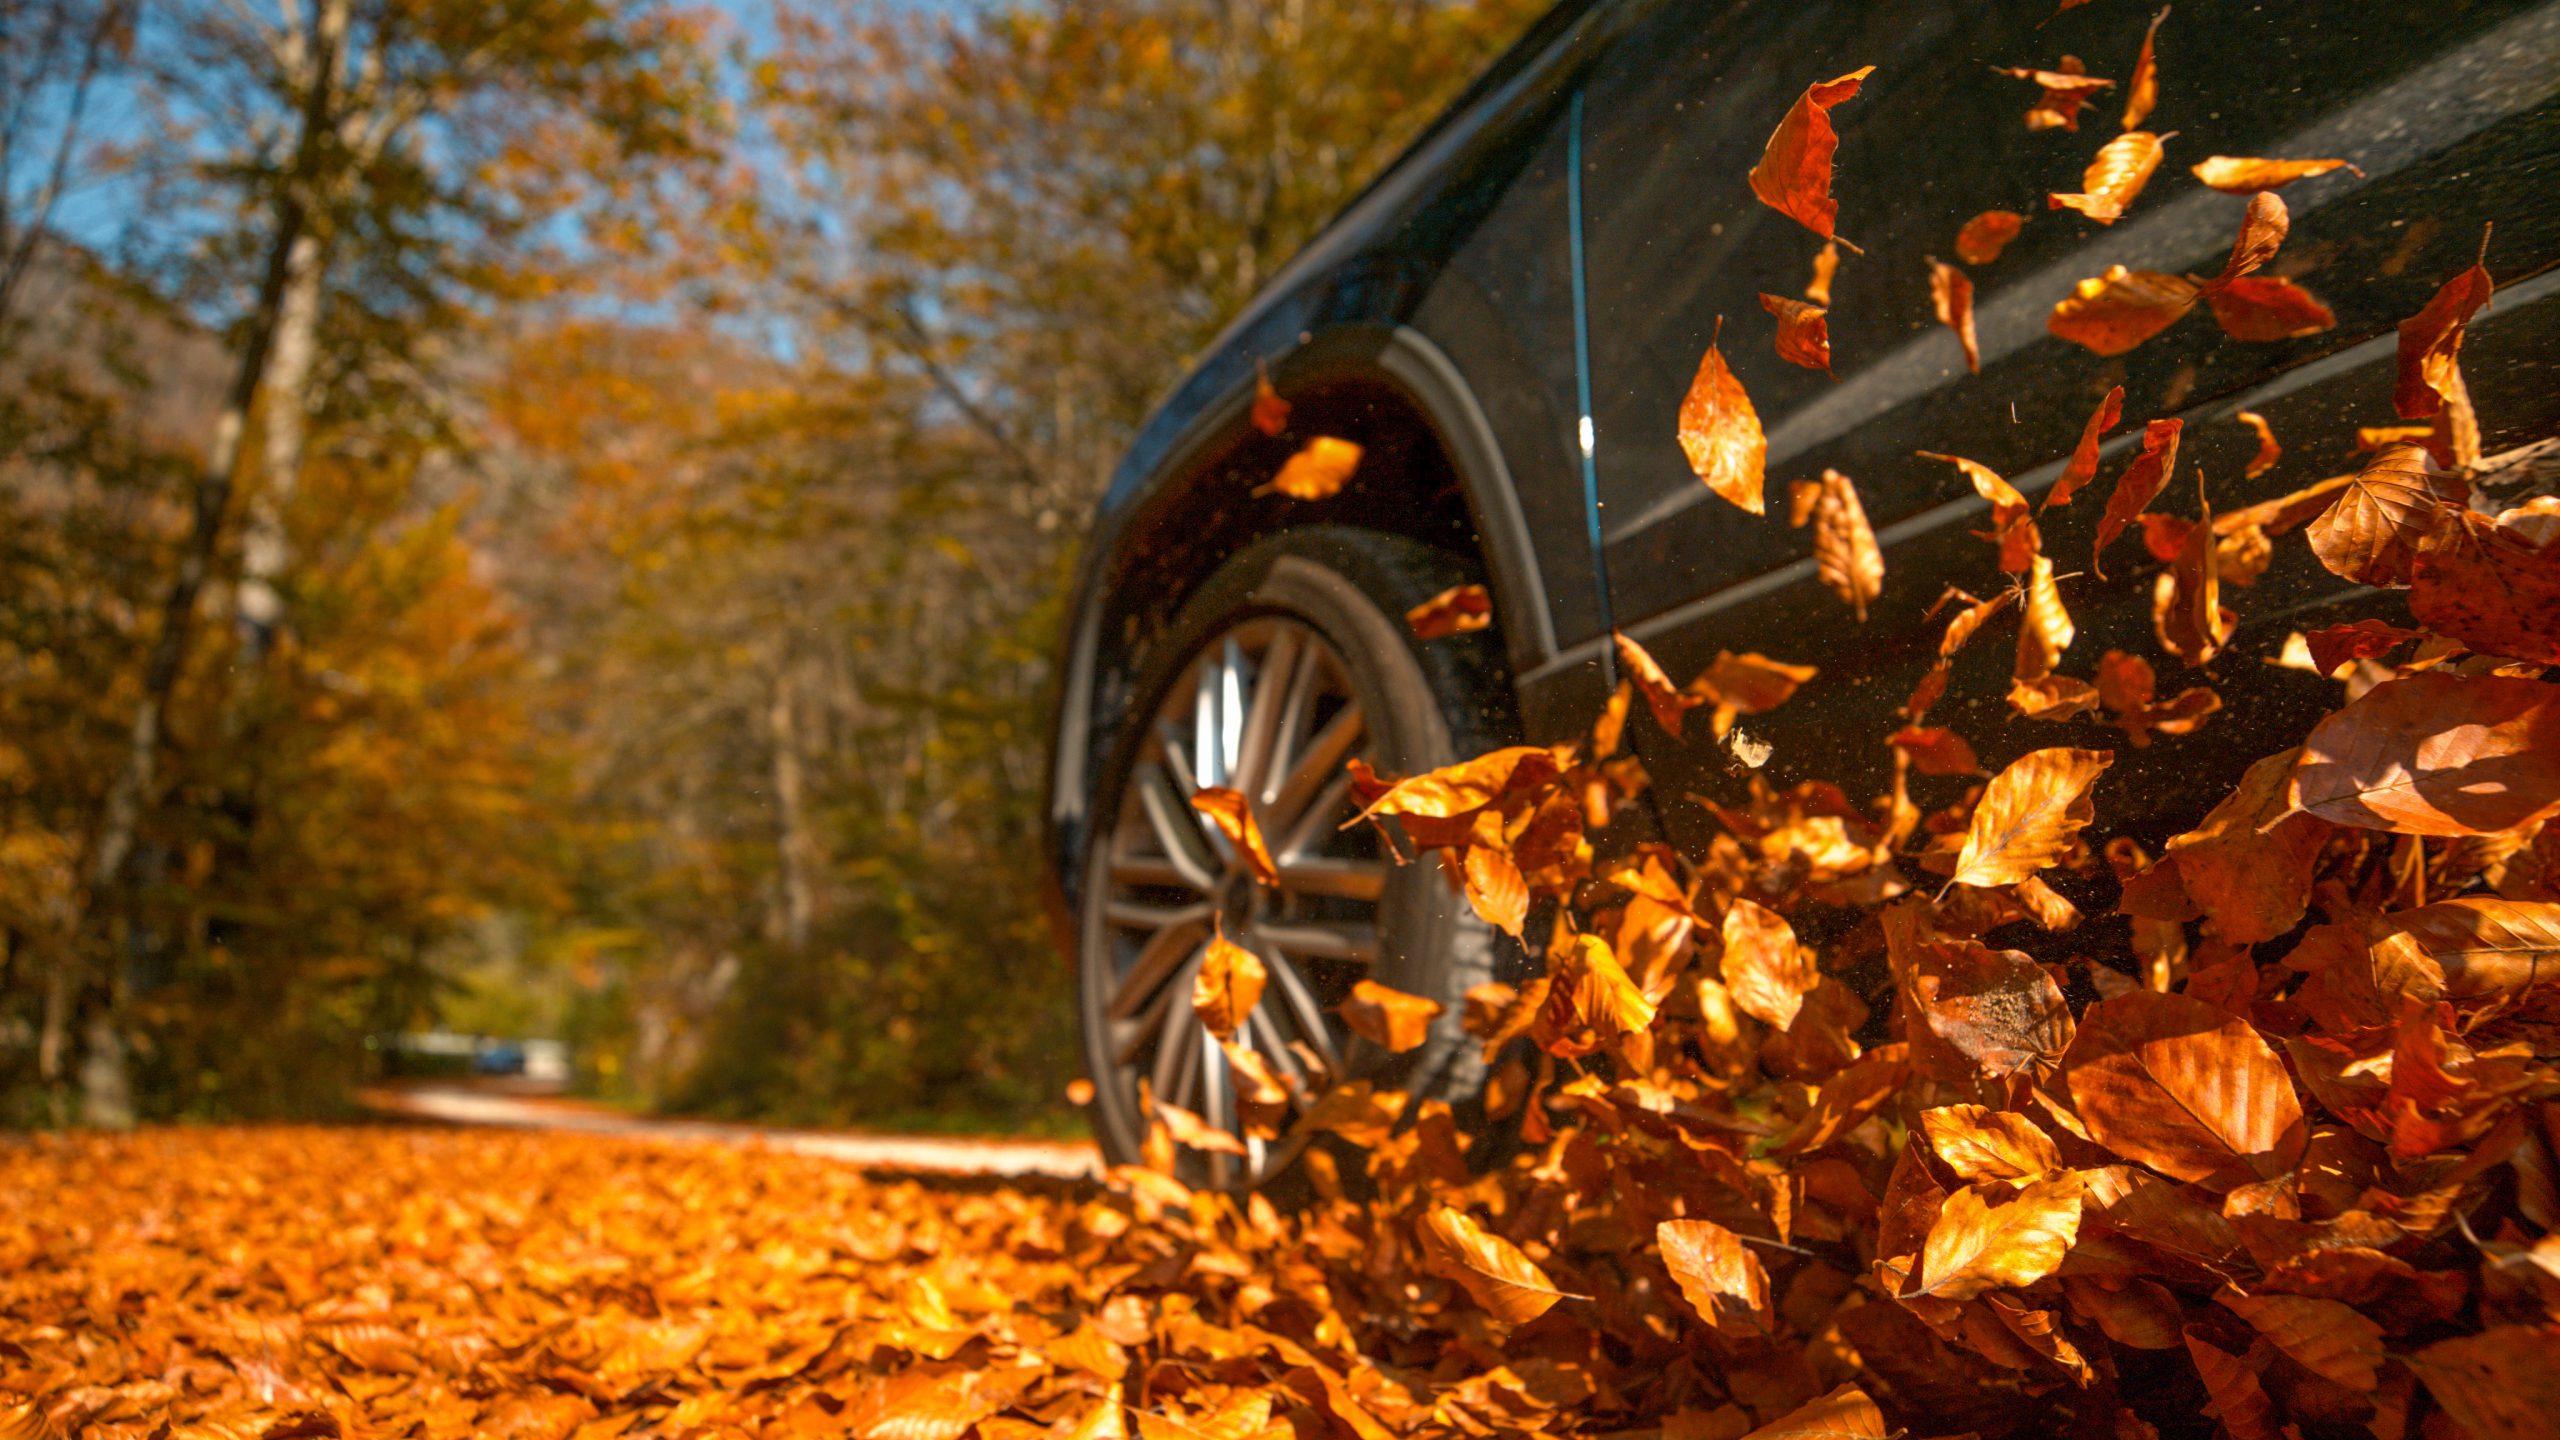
(796, 847)
(286, 421)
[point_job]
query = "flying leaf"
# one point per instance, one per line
(1469, 785)
(2143, 92)
(1766, 969)
(1826, 263)
(1747, 684)
(1188, 1128)
(1388, 1017)
(1987, 234)
(2083, 465)
(2261, 310)
(2436, 754)
(2485, 583)
(2269, 452)
(2371, 532)
(2184, 1087)
(1976, 1246)
(1984, 1144)
(1495, 888)
(1233, 815)
(2234, 175)
(2028, 815)
(1601, 992)
(1794, 173)
(1936, 752)
(2431, 341)
(1723, 1280)
(1227, 987)
(2262, 230)
(2062, 91)
(1951, 295)
(2193, 623)
(2044, 627)
(1458, 610)
(2338, 644)
(2112, 313)
(1845, 555)
(1270, 413)
(2012, 520)
(1318, 471)
(1804, 334)
(2482, 944)
(1720, 432)
(1492, 1269)
(2052, 697)
(2137, 486)
(1998, 1010)
(1669, 706)
(2122, 167)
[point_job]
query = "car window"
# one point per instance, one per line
(2446, 106)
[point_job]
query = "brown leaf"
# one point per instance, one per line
(1845, 555)
(2184, 1087)
(1748, 684)
(1669, 706)
(2261, 310)
(1951, 295)
(2436, 754)
(2083, 466)
(1454, 790)
(1794, 173)
(1318, 471)
(2012, 520)
(1227, 987)
(1458, 610)
(1233, 815)
(1997, 1009)
(2112, 313)
(1767, 971)
(1496, 888)
(2234, 175)
(1270, 413)
(2248, 867)
(2062, 91)
(1826, 263)
(2487, 585)
(1977, 1246)
(2262, 230)
(2237, 1399)
(1844, 1414)
(1187, 1128)
(1720, 433)
(1804, 332)
(2338, 644)
(1387, 1017)
(2144, 91)
(2371, 532)
(2044, 627)
(2052, 697)
(2483, 945)
(2324, 1337)
(2499, 1384)
(1987, 234)
(1722, 1280)
(2431, 341)
(2193, 623)
(1492, 1269)
(2269, 452)
(2137, 486)
(1936, 752)
(2122, 167)
(2028, 815)
(1983, 1144)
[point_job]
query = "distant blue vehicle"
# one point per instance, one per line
(498, 1057)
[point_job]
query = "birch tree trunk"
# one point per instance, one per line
(796, 847)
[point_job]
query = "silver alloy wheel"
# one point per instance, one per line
(1266, 709)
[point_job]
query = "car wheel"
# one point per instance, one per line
(1290, 662)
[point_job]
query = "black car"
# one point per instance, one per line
(1506, 322)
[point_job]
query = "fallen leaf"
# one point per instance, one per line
(1980, 1144)
(2122, 167)
(2030, 812)
(1722, 1280)
(1227, 987)
(1977, 1246)
(1318, 471)
(2371, 532)
(1388, 1017)
(2184, 1087)
(1987, 234)
(2431, 341)
(2112, 313)
(2324, 1337)
(1720, 433)
(2483, 945)
(2234, 175)
(1846, 557)
(2143, 92)
(2235, 1396)
(1998, 1010)
(1233, 815)
(2248, 866)
(2269, 452)
(1794, 173)
(2485, 584)
(2499, 1384)
(1768, 972)
(1458, 610)
(1804, 334)
(1270, 413)
(2061, 92)
(2137, 486)
(1951, 295)
(2436, 754)
(1492, 1269)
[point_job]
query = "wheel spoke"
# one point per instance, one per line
(1291, 725)
(1325, 875)
(1323, 940)
(1302, 1007)
(1316, 825)
(1216, 1106)
(1323, 756)
(1177, 828)
(1271, 686)
(1164, 952)
(1131, 915)
(1177, 1079)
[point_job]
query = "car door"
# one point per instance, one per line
(2449, 111)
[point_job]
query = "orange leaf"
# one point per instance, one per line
(2499, 1384)
(2144, 90)
(2012, 521)
(2184, 1087)
(1602, 993)
(1722, 1280)
(1794, 173)
(1987, 234)
(2237, 176)
(1997, 1009)
(2083, 466)
(1720, 432)
(2123, 166)
(1804, 334)
(1318, 471)
(1768, 972)
(1845, 554)
(1233, 815)
(2248, 866)
(1977, 1246)
(2064, 89)
(1387, 1017)
(2262, 230)
(1496, 888)
(2431, 341)
(1826, 263)
(1270, 413)
(1227, 987)
(2324, 1337)
(2028, 815)
(1844, 1414)
(2193, 624)
(2137, 486)
(2436, 754)
(1669, 706)
(2371, 532)
(2052, 697)
(1454, 790)
(2112, 313)
(1458, 610)
(1983, 1144)
(1189, 1129)
(1937, 752)
(2261, 310)
(1502, 1280)
(1951, 294)
(2269, 452)
(2482, 944)
(2484, 583)
(2044, 627)
(2238, 1400)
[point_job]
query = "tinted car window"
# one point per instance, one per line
(2446, 106)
